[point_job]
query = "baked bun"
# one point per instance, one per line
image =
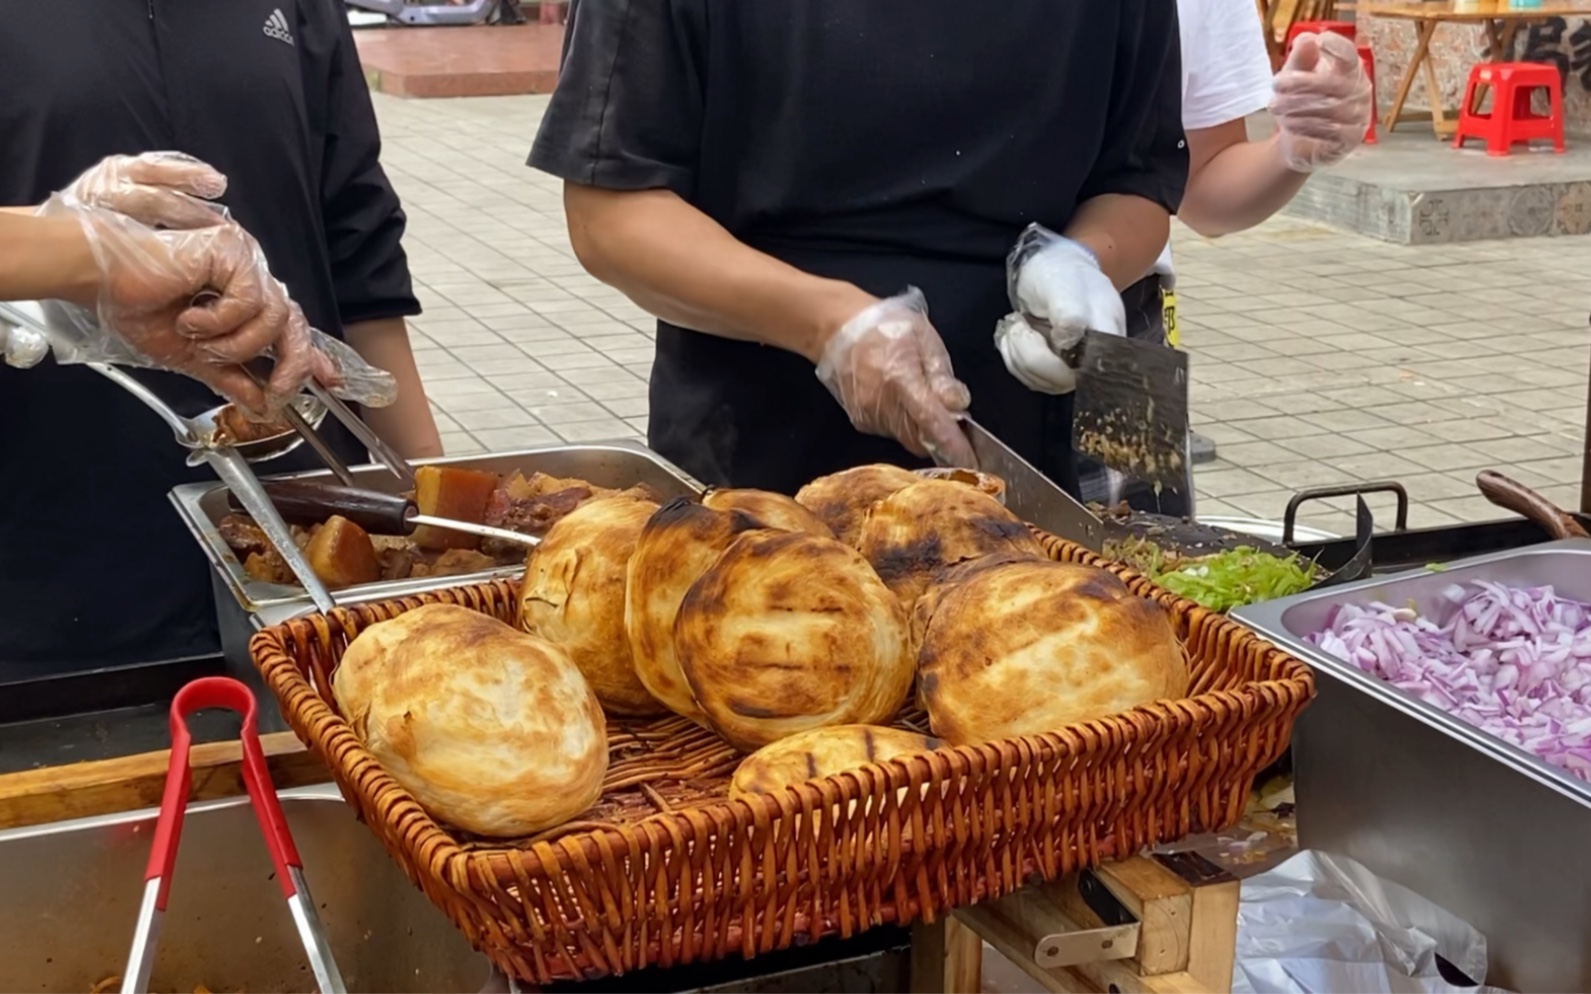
(843, 499)
(676, 547)
(573, 595)
(987, 483)
(1030, 646)
(787, 632)
(914, 534)
(492, 730)
(823, 752)
(773, 510)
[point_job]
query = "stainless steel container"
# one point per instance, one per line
(71, 893)
(1484, 829)
(245, 605)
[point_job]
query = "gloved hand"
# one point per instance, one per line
(1059, 292)
(161, 189)
(158, 245)
(890, 371)
(1322, 102)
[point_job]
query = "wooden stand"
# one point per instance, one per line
(111, 786)
(1147, 924)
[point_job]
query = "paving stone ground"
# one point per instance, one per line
(1317, 357)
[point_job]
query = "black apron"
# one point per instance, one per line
(891, 143)
(96, 568)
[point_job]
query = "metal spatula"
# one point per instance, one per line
(1131, 408)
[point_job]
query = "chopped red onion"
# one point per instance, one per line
(1512, 661)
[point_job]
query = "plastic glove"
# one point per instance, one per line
(161, 189)
(890, 371)
(1028, 357)
(1059, 292)
(150, 277)
(1322, 102)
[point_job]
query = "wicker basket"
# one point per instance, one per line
(666, 871)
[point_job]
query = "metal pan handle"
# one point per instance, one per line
(1302, 497)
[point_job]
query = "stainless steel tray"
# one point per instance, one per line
(612, 464)
(1481, 827)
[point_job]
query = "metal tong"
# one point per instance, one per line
(231, 466)
(223, 692)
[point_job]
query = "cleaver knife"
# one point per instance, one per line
(1031, 495)
(1131, 408)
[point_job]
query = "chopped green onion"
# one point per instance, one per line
(1225, 580)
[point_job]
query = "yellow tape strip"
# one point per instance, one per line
(1168, 303)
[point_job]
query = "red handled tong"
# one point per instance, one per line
(223, 692)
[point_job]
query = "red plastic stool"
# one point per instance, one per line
(1344, 28)
(1511, 120)
(1367, 58)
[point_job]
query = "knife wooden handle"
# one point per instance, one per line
(307, 502)
(1514, 496)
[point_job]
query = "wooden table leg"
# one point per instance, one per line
(1433, 90)
(946, 958)
(1510, 32)
(1423, 30)
(1499, 46)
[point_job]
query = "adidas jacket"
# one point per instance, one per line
(95, 567)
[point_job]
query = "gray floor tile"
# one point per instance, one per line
(496, 417)
(558, 415)
(577, 360)
(596, 431)
(1325, 446)
(479, 400)
(601, 375)
(508, 439)
(1251, 454)
(626, 389)
(1394, 438)
(627, 407)
(1446, 458)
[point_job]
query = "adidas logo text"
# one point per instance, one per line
(276, 27)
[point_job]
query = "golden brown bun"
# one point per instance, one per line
(574, 596)
(773, 510)
(985, 482)
(1025, 647)
(843, 499)
(788, 632)
(823, 752)
(490, 729)
(676, 547)
(914, 534)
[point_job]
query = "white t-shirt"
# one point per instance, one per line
(1226, 73)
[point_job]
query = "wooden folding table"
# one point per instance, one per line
(1501, 20)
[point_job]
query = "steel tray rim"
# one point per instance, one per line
(1266, 620)
(258, 598)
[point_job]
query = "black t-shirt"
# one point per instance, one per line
(95, 565)
(888, 143)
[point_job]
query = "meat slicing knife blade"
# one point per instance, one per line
(1031, 495)
(1131, 408)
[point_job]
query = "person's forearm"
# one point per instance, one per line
(45, 258)
(407, 425)
(681, 265)
(1125, 233)
(1238, 187)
